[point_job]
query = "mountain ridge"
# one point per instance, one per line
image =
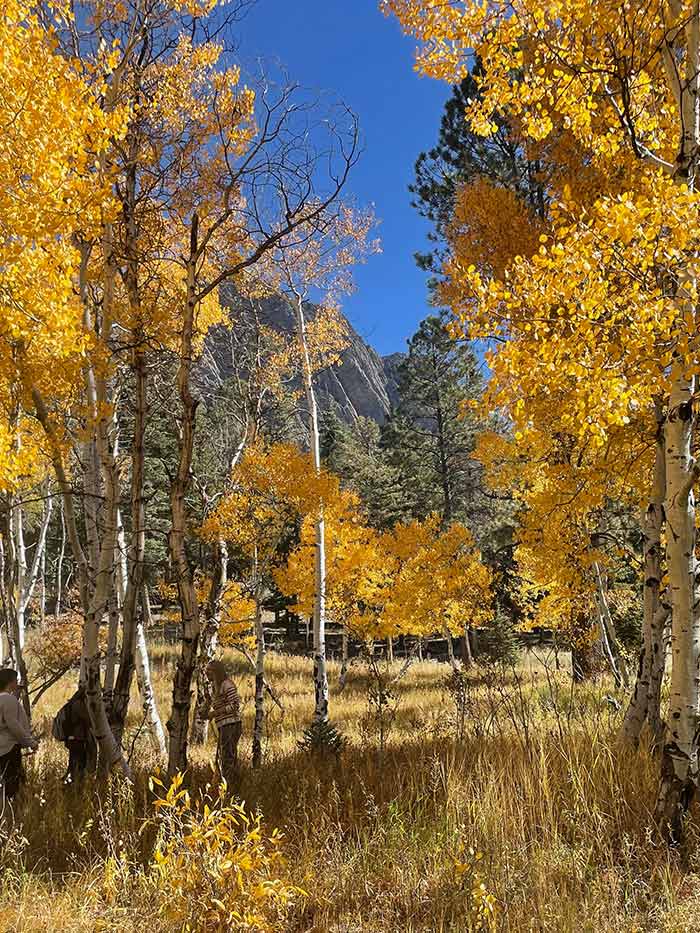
(363, 384)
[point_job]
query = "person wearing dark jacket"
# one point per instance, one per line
(72, 726)
(15, 734)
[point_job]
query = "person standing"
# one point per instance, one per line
(226, 713)
(15, 734)
(72, 726)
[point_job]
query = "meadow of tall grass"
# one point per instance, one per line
(501, 802)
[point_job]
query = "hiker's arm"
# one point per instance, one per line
(18, 725)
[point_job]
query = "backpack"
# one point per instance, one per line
(61, 724)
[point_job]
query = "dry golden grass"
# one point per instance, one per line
(531, 777)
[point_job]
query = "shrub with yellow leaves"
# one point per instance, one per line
(214, 867)
(468, 874)
(55, 645)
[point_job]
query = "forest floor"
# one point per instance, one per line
(506, 806)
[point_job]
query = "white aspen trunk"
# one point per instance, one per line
(5, 599)
(207, 645)
(121, 569)
(114, 607)
(467, 657)
(42, 589)
(660, 640)
(16, 631)
(33, 574)
(320, 669)
(680, 753)
(91, 500)
(319, 616)
(146, 606)
(128, 573)
(38, 572)
(605, 647)
(110, 750)
(121, 572)
(615, 659)
(645, 702)
(111, 653)
(390, 649)
(20, 575)
(148, 700)
(178, 723)
(4, 658)
(679, 766)
(260, 651)
(606, 644)
(59, 566)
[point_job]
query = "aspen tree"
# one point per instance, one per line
(199, 150)
(271, 488)
(622, 84)
(352, 558)
(54, 134)
(320, 256)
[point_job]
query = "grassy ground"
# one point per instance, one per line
(519, 769)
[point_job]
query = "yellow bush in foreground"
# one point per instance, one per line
(214, 868)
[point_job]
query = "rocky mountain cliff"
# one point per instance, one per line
(362, 384)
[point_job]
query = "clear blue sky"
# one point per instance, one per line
(349, 47)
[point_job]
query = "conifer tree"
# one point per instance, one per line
(461, 156)
(433, 433)
(358, 454)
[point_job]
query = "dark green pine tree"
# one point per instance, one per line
(356, 454)
(460, 156)
(432, 435)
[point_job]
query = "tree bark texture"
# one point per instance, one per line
(319, 615)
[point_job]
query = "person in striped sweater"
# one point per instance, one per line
(226, 714)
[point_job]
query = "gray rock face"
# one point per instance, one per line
(363, 384)
(358, 386)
